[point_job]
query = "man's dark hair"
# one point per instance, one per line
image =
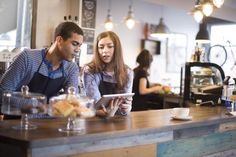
(65, 29)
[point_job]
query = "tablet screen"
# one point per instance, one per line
(105, 99)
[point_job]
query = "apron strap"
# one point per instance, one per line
(44, 56)
(62, 69)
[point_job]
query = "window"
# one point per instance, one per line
(225, 35)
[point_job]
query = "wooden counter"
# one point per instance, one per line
(210, 131)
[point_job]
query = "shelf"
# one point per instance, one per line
(200, 86)
(203, 75)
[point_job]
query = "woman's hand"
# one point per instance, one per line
(113, 106)
(157, 89)
(126, 106)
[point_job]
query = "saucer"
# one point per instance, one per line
(233, 113)
(182, 118)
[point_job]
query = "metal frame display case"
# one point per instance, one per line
(202, 81)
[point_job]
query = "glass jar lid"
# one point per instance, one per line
(14, 103)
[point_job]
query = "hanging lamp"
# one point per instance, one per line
(130, 21)
(108, 21)
(218, 3)
(202, 35)
(205, 8)
(161, 30)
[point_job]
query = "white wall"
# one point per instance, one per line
(50, 13)
(178, 21)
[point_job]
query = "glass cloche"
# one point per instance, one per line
(24, 103)
(74, 107)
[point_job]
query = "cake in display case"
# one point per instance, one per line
(24, 104)
(201, 82)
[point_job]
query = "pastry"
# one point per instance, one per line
(63, 107)
(233, 97)
(72, 108)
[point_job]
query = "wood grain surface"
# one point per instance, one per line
(139, 128)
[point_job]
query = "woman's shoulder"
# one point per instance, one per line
(87, 68)
(130, 70)
(140, 72)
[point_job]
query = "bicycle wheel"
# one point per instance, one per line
(217, 54)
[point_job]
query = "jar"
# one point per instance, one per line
(24, 104)
(74, 107)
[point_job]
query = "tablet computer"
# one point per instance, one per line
(104, 100)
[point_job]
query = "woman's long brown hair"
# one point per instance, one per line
(120, 69)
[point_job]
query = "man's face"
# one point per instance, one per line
(70, 47)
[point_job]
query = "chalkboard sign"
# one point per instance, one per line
(89, 13)
(88, 35)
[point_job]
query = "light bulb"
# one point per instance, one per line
(198, 16)
(109, 25)
(207, 9)
(218, 3)
(130, 23)
(108, 21)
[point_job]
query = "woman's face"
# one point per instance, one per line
(106, 49)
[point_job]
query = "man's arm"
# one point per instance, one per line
(12, 78)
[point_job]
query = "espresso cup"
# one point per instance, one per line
(180, 112)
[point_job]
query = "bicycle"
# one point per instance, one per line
(218, 54)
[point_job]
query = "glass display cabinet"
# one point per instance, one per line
(201, 82)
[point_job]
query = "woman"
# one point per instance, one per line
(107, 74)
(144, 92)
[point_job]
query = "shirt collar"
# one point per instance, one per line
(50, 65)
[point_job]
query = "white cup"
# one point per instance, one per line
(180, 112)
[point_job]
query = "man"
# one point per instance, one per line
(47, 71)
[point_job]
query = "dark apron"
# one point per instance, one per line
(46, 85)
(107, 87)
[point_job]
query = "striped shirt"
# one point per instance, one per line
(22, 70)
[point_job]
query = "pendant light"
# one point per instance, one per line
(207, 8)
(161, 31)
(197, 12)
(129, 21)
(198, 15)
(108, 21)
(218, 3)
(202, 35)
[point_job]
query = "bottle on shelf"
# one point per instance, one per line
(65, 18)
(69, 18)
(198, 52)
(76, 20)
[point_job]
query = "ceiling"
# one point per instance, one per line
(227, 12)
(230, 3)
